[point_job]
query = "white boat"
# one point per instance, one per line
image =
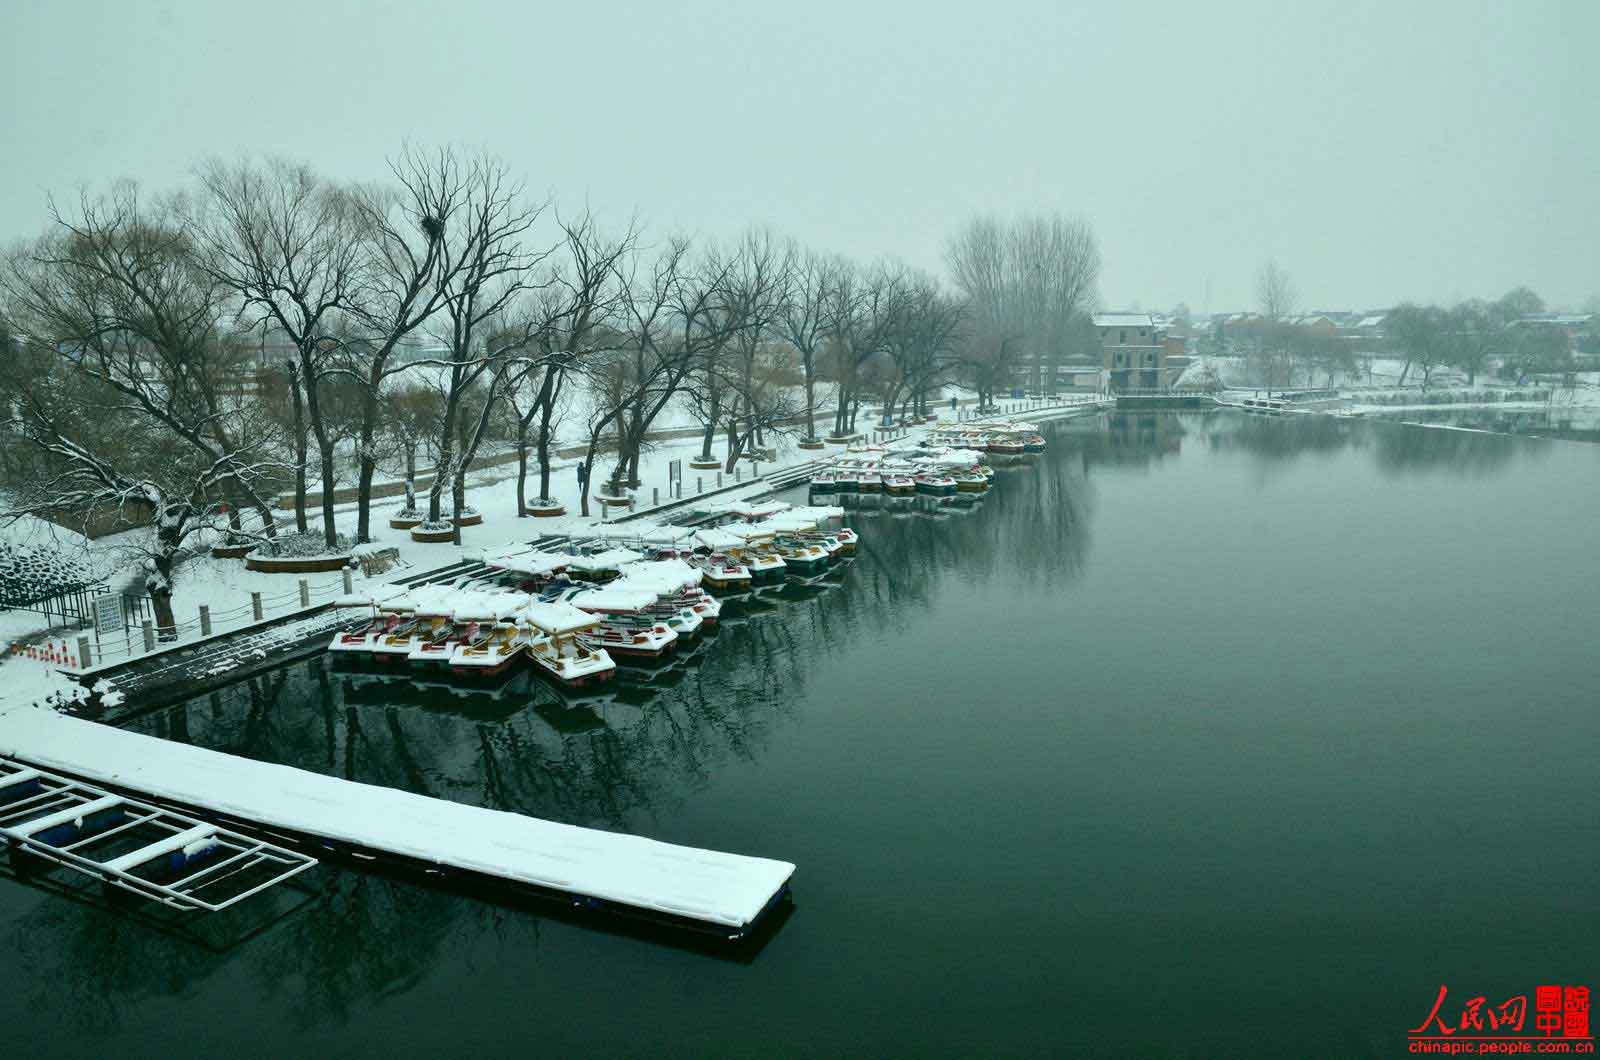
(500, 646)
(626, 625)
(556, 646)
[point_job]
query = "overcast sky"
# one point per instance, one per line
(1380, 151)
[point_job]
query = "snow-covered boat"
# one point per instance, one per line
(824, 482)
(359, 642)
(627, 626)
(601, 566)
(556, 646)
(931, 482)
(801, 556)
(900, 484)
(869, 481)
(970, 481)
(493, 651)
(724, 572)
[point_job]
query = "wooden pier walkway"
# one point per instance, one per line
(725, 894)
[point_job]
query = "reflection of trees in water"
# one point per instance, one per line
(1279, 439)
(1401, 449)
(612, 760)
(1563, 422)
(1275, 440)
(361, 937)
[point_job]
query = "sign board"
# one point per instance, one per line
(107, 613)
(675, 471)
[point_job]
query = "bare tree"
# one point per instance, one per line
(1421, 334)
(863, 310)
(485, 273)
(402, 227)
(755, 282)
(133, 398)
(1275, 294)
(804, 321)
(1025, 284)
(288, 245)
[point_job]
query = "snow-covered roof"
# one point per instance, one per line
(607, 559)
(717, 537)
(556, 616)
(667, 574)
(614, 597)
(1123, 320)
(473, 604)
(529, 563)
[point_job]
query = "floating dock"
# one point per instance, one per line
(727, 894)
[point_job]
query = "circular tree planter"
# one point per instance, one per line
(233, 551)
(434, 534)
(405, 520)
(544, 508)
(808, 443)
(607, 502)
(842, 439)
(470, 518)
(296, 564)
(706, 465)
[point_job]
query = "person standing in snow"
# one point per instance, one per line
(583, 474)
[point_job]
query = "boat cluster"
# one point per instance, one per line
(571, 610)
(953, 459)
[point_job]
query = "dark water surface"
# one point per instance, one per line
(1202, 735)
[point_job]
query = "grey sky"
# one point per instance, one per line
(1379, 151)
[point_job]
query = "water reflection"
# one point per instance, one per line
(633, 754)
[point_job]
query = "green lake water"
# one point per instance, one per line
(1200, 735)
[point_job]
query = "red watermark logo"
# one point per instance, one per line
(1477, 1028)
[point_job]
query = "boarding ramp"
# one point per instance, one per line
(167, 857)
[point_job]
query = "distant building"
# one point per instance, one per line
(1133, 351)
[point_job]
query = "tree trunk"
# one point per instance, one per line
(411, 477)
(368, 463)
(369, 467)
(330, 531)
(522, 467)
(319, 429)
(442, 467)
(458, 500)
(547, 407)
(299, 449)
(811, 398)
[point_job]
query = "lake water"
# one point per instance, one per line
(1201, 735)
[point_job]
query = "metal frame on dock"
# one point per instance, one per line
(37, 807)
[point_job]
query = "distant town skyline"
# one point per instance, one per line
(1430, 151)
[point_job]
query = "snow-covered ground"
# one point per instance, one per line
(225, 586)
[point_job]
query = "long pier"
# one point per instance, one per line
(726, 894)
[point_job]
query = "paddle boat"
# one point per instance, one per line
(932, 482)
(626, 625)
(555, 643)
(499, 646)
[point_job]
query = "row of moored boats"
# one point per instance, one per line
(571, 611)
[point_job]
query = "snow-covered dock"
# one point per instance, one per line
(725, 893)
